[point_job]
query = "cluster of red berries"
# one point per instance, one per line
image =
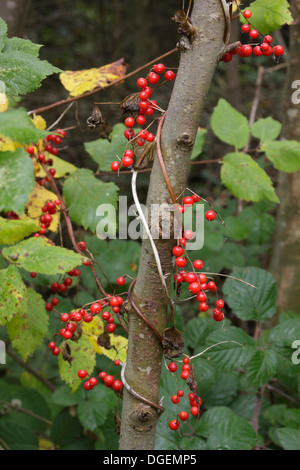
(46, 218)
(146, 109)
(11, 215)
(266, 48)
(195, 401)
(48, 147)
(108, 380)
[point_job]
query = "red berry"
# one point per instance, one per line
(194, 288)
(201, 297)
(175, 399)
(184, 374)
(150, 137)
(153, 78)
(210, 215)
(82, 373)
(219, 317)
(65, 317)
(55, 351)
(188, 234)
(141, 120)
(48, 306)
(115, 166)
(245, 28)
(198, 264)
(51, 345)
(108, 380)
(127, 161)
(169, 75)
(219, 303)
(106, 316)
(93, 381)
(268, 39)
(81, 246)
(142, 82)
(194, 410)
(95, 308)
(180, 393)
(177, 251)
(257, 51)
(227, 57)
(117, 362)
(129, 134)
(183, 415)
(41, 157)
(247, 14)
(87, 385)
(203, 307)
(88, 318)
(174, 425)
(191, 277)
(253, 33)
(68, 281)
(30, 150)
(264, 47)
(180, 262)
(245, 50)
(117, 385)
(212, 286)
(102, 375)
(159, 68)
(278, 51)
(120, 281)
(110, 328)
(33, 274)
(67, 334)
(62, 287)
(172, 366)
(129, 122)
(188, 201)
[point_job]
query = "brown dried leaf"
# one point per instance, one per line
(104, 340)
(130, 104)
(185, 26)
(144, 155)
(173, 342)
(66, 352)
(96, 118)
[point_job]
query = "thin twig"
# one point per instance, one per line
(231, 277)
(255, 418)
(213, 345)
(28, 412)
(60, 117)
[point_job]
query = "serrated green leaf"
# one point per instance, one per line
(22, 72)
(22, 45)
(84, 357)
(260, 225)
(284, 154)
(40, 256)
(211, 418)
(65, 429)
(17, 437)
(288, 438)
(12, 231)
(286, 332)
(246, 179)
(16, 179)
(229, 125)
(103, 151)
(237, 229)
(12, 291)
(92, 412)
(27, 329)
(262, 367)
(199, 143)
(17, 125)
(269, 15)
(235, 350)
(198, 330)
(3, 33)
(266, 129)
(83, 193)
(250, 303)
(223, 391)
(233, 433)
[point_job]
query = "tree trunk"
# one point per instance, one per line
(14, 13)
(285, 262)
(144, 359)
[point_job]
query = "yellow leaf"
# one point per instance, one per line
(119, 344)
(38, 199)
(7, 144)
(39, 122)
(3, 102)
(62, 167)
(81, 81)
(234, 6)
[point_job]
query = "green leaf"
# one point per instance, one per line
(288, 438)
(3, 31)
(223, 391)
(83, 357)
(246, 179)
(22, 45)
(286, 332)
(65, 429)
(21, 70)
(262, 367)
(233, 433)
(103, 151)
(260, 225)
(284, 154)
(237, 229)
(40, 256)
(269, 15)
(62, 167)
(229, 125)
(92, 412)
(17, 437)
(83, 193)
(266, 129)
(17, 125)
(12, 291)
(250, 303)
(198, 330)
(16, 179)
(27, 329)
(199, 143)
(65, 397)
(235, 353)
(12, 231)
(211, 418)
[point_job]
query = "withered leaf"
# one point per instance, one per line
(66, 352)
(185, 26)
(77, 333)
(96, 118)
(104, 340)
(130, 104)
(173, 342)
(144, 155)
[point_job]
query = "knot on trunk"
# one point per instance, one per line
(143, 418)
(185, 140)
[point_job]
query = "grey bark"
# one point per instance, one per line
(144, 359)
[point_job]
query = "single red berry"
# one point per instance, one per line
(68, 334)
(227, 57)
(178, 251)
(117, 362)
(186, 367)
(159, 68)
(201, 297)
(219, 303)
(141, 120)
(115, 309)
(194, 410)
(180, 393)
(48, 306)
(142, 83)
(129, 134)
(257, 51)
(245, 50)
(169, 75)
(120, 281)
(55, 351)
(212, 286)
(68, 281)
(265, 47)
(108, 380)
(184, 374)
(194, 288)
(102, 375)
(87, 385)
(30, 150)
(140, 142)
(188, 234)
(210, 215)
(106, 316)
(111, 320)
(88, 318)
(127, 161)
(190, 278)
(81, 246)
(115, 166)
(180, 262)
(175, 399)
(183, 415)
(203, 307)
(33, 274)
(153, 78)
(174, 425)
(198, 264)
(62, 287)
(149, 111)
(219, 317)
(245, 28)
(143, 104)
(95, 308)
(82, 373)
(117, 385)
(129, 122)
(110, 328)
(202, 278)
(87, 262)
(278, 51)
(93, 381)
(247, 14)
(52, 171)
(268, 38)
(41, 157)
(150, 137)
(51, 345)
(253, 33)
(172, 366)
(188, 201)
